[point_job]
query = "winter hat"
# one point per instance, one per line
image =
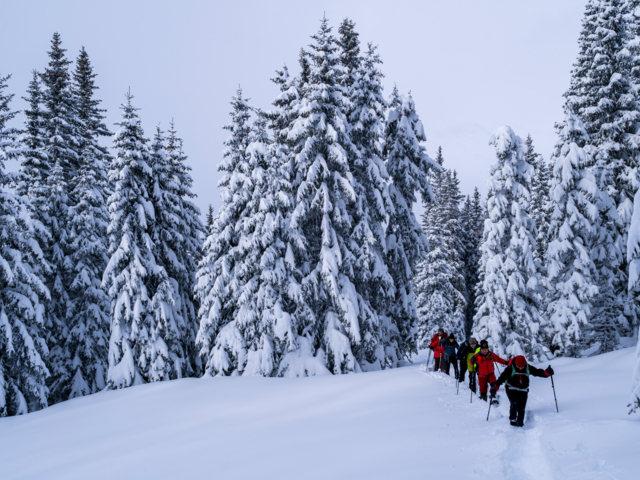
(440, 330)
(484, 344)
(520, 361)
(451, 335)
(473, 340)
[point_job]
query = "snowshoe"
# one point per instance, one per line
(495, 401)
(483, 396)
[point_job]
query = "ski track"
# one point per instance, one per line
(521, 453)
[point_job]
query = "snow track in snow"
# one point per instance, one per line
(523, 456)
(575, 444)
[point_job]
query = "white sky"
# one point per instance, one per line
(471, 66)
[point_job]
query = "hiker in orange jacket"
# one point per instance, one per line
(483, 360)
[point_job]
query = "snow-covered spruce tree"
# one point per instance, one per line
(287, 317)
(439, 284)
(602, 96)
(164, 235)
(62, 142)
(22, 293)
(215, 288)
(571, 275)
(538, 208)
(482, 219)
(368, 237)
(86, 345)
(508, 315)
(348, 329)
(57, 309)
(271, 311)
(409, 168)
(181, 246)
(142, 296)
(472, 221)
(439, 303)
(80, 356)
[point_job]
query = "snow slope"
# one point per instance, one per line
(398, 424)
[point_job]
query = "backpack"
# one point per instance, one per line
(513, 370)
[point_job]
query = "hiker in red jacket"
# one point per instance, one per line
(483, 360)
(438, 350)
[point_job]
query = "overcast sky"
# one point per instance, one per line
(471, 65)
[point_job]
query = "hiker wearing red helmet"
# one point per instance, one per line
(483, 360)
(516, 380)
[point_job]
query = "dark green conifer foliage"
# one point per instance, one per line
(34, 168)
(472, 222)
(538, 208)
(209, 221)
(88, 108)
(350, 57)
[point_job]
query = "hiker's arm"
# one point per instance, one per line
(506, 373)
(538, 372)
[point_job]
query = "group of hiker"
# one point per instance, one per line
(479, 361)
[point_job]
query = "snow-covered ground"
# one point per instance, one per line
(398, 424)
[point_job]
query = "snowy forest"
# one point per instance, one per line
(341, 245)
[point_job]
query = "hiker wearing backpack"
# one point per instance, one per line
(438, 350)
(484, 359)
(516, 380)
(465, 352)
(449, 347)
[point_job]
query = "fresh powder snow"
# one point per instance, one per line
(400, 423)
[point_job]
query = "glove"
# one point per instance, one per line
(430, 348)
(549, 371)
(494, 387)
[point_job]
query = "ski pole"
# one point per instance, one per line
(472, 376)
(554, 393)
(489, 412)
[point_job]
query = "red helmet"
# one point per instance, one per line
(520, 361)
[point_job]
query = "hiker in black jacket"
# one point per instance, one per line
(516, 380)
(449, 356)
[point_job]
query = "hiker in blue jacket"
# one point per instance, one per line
(450, 347)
